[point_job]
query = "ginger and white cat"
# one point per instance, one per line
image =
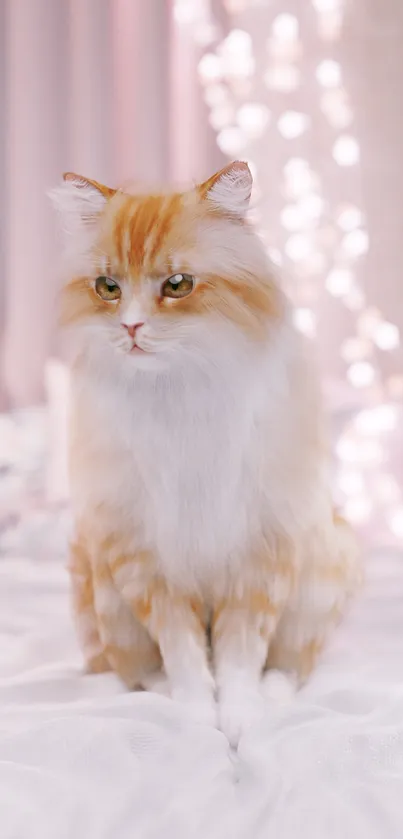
(199, 471)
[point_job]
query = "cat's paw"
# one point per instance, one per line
(98, 664)
(278, 688)
(238, 711)
(197, 708)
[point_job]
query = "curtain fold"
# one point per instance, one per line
(87, 86)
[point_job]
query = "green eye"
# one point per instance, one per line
(180, 285)
(107, 289)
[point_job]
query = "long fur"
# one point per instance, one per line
(199, 465)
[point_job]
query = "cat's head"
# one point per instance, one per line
(157, 277)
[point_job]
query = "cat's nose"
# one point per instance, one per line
(131, 328)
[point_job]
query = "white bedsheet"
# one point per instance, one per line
(82, 759)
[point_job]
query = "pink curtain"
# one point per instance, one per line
(103, 87)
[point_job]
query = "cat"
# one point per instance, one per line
(205, 536)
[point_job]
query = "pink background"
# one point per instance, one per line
(110, 89)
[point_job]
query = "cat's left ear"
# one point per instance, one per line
(230, 189)
(79, 200)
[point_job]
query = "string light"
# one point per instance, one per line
(253, 119)
(339, 282)
(349, 217)
(285, 27)
(305, 321)
(346, 151)
(386, 336)
(328, 73)
(231, 141)
(324, 243)
(376, 420)
(237, 55)
(361, 374)
(355, 243)
(292, 124)
(210, 68)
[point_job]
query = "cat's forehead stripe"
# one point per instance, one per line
(141, 227)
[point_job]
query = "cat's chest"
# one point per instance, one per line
(182, 465)
(189, 464)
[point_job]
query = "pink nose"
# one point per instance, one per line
(131, 328)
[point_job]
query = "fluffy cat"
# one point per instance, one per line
(199, 469)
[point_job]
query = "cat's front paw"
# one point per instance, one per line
(98, 664)
(197, 708)
(238, 711)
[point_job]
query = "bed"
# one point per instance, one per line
(80, 757)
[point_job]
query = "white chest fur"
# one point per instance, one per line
(196, 460)
(182, 460)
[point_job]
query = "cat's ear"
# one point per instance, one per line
(230, 189)
(79, 200)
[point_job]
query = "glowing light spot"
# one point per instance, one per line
(346, 150)
(339, 282)
(376, 420)
(285, 27)
(305, 322)
(253, 118)
(231, 141)
(236, 52)
(361, 374)
(356, 243)
(349, 218)
(292, 124)
(328, 73)
(386, 336)
(210, 68)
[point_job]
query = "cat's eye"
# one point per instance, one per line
(107, 289)
(180, 285)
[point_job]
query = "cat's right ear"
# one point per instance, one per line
(79, 201)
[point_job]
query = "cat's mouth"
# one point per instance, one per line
(136, 349)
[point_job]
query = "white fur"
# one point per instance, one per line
(210, 444)
(232, 190)
(79, 205)
(197, 436)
